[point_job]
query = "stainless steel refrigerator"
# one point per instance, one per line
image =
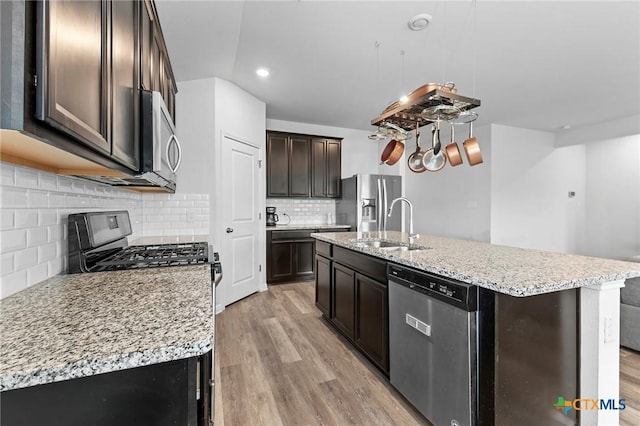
(365, 201)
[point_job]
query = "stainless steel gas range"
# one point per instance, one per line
(97, 242)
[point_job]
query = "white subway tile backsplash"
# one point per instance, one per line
(13, 240)
(26, 218)
(34, 210)
(37, 199)
(7, 174)
(47, 252)
(6, 263)
(47, 217)
(55, 266)
(57, 200)
(26, 258)
(47, 181)
(13, 197)
(6, 221)
(26, 178)
(37, 236)
(36, 274)
(13, 283)
(303, 211)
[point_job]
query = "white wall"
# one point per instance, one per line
(454, 202)
(530, 181)
(613, 198)
(208, 110)
(194, 128)
(359, 153)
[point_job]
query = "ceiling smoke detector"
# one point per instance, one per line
(419, 22)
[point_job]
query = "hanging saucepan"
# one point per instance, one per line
(472, 148)
(415, 160)
(452, 150)
(433, 159)
(392, 152)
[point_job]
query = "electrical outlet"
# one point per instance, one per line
(609, 330)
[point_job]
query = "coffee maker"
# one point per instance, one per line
(272, 217)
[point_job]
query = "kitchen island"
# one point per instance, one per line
(85, 325)
(552, 312)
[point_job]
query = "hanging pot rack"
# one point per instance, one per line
(437, 104)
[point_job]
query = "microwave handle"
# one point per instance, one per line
(173, 139)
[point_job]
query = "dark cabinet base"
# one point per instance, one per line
(154, 395)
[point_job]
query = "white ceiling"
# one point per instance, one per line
(538, 64)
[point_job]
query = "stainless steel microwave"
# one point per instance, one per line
(160, 153)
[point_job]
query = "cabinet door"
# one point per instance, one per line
(372, 328)
(277, 166)
(281, 261)
(333, 169)
(305, 251)
(344, 299)
(146, 46)
(323, 285)
(156, 62)
(74, 70)
(318, 168)
(125, 143)
(299, 166)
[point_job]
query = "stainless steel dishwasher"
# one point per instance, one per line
(432, 344)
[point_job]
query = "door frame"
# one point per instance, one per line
(218, 226)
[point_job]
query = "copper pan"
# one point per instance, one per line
(452, 150)
(392, 152)
(472, 148)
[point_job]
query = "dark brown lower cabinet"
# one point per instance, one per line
(291, 261)
(323, 285)
(344, 292)
(372, 320)
(354, 298)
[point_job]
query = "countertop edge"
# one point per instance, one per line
(304, 227)
(516, 292)
(118, 362)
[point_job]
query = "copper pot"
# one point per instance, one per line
(452, 150)
(472, 148)
(392, 152)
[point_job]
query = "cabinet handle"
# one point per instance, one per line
(229, 230)
(174, 139)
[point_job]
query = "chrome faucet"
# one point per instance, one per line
(412, 235)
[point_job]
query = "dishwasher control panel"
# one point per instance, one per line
(457, 293)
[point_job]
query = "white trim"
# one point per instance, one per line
(600, 349)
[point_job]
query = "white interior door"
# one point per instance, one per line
(240, 219)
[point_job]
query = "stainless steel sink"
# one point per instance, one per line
(388, 246)
(376, 244)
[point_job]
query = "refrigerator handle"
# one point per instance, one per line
(385, 206)
(379, 206)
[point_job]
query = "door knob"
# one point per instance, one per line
(229, 230)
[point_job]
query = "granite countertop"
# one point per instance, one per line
(294, 227)
(79, 325)
(509, 270)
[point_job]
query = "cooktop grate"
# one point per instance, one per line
(136, 257)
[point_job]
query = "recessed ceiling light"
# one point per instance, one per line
(419, 22)
(566, 127)
(262, 72)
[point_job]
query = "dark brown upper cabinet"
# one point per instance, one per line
(91, 60)
(325, 167)
(303, 166)
(73, 77)
(125, 66)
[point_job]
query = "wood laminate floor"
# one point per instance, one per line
(279, 363)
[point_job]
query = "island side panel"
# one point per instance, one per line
(600, 352)
(536, 358)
